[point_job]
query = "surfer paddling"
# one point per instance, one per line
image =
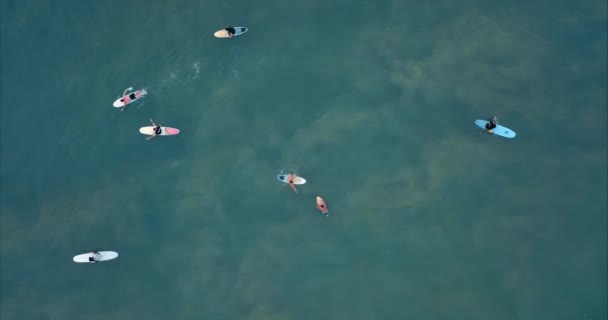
(490, 125)
(322, 206)
(158, 130)
(290, 181)
(127, 97)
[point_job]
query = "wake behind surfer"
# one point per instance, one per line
(491, 125)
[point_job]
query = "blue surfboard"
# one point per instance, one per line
(499, 130)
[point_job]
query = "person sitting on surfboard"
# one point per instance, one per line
(231, 31)
(290, 181)
(158, 130)
(92, 258)
(491, 124)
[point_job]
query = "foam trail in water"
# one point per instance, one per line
(196, 69)
(237, 63)
(179, 77)
(290, 169)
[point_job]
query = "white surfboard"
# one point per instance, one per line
(296, 180)
(119, 103)
(100, 256)
(224, 34)
(499, 130)
(165, 131)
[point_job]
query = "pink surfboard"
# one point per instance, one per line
(165, 131)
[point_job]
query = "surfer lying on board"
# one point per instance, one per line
(290, 181)
(126, 99)
(157, 130)
(322, 206)
(491, 125)
(231, 31)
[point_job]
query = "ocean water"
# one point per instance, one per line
(373, 102)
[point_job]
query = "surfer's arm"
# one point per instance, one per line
(293, 187)
(126, 90)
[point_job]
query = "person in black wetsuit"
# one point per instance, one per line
(491, 124)
(92, 258)
(158, 130)
(231, 31)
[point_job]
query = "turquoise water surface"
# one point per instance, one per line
(373, 102)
